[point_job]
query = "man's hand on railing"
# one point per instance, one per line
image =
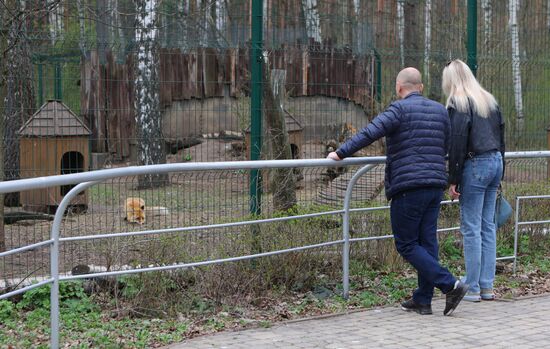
(333, 156)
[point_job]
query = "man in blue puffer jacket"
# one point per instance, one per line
(417, 131)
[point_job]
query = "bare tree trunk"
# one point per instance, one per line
(401, 30)
(101, 32)
(82, 28)
(427, 43)
(361, 28)
(220, 19)
(487, 8)
(516, 71)
(19, 104)
(202, 7)
(183, 22)
(312, 20)
(282, 183)
(118, 24)
(548, 14)
(413, 33)
(151, 149)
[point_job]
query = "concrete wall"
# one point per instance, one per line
(321, 117)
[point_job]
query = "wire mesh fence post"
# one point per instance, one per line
(548, 160)
(256, 104)
(58, 91)
(40, 84)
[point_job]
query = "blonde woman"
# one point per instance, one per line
(476, 167)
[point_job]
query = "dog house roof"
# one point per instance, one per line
(54, 119)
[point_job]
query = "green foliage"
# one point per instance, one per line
(36, 298)
(449, 249)
(131, 285)
(369, 299)
(40, 297)
(7, 310)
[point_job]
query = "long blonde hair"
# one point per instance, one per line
(461, 87)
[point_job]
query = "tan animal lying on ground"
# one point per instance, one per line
(136, 210)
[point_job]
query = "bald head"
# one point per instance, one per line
(408, 80)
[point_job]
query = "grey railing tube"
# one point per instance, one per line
(54, 260)
(101, 175)
(345, 229)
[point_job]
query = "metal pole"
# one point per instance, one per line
(54, 261)
(378, 77)
(548, 160)
(516, 235)
(58, 93)
(345, 230)
(256, 64)
(40, 84)
(471, 45)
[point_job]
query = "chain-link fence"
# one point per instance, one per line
(96, 84)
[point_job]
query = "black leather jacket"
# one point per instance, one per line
(473, 135)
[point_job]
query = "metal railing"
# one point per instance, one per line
(518, 223)
(87, 179)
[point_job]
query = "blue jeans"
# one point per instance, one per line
(414, 223)
(478, 191)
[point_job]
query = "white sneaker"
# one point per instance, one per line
(472, 297)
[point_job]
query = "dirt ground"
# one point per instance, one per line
(192, 199)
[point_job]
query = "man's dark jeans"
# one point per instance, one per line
(414, 223)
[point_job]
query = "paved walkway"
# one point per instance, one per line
(523, 323)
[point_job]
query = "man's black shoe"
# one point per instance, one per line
(454, 297)
(411, 305)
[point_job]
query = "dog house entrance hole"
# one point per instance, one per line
(71, 162)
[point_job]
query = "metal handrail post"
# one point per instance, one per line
(54, 261)
(516, 235)
(345, 230)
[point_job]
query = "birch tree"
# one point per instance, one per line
(151, 149)
(401, 30)
(427, 41)
(516, 70)
(312, 20)
(56, 14)
(487, 8)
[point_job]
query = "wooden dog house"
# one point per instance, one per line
(53, 141)
(295, 137)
